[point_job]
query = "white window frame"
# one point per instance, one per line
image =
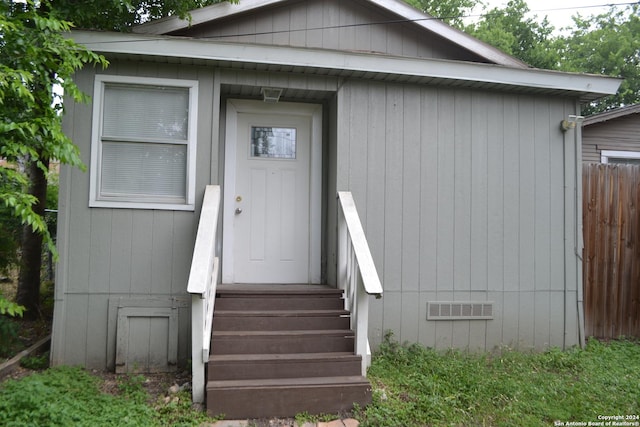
(95, 199)
(605, 155)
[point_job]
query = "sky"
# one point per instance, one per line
(559, 12)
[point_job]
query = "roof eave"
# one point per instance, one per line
(200, 16)
(612, 114)
(583, 86)
(450, 33)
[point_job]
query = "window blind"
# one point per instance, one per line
(151, 113)
(144, 169)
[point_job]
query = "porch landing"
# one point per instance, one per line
(276, 289)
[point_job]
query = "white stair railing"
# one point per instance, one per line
(357, 275)
(203, 279)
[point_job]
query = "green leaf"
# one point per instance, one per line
(10, 308)
(36, 55)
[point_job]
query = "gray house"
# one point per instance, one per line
(359, 145)
(612, 136)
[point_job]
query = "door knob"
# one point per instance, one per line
(238, 211)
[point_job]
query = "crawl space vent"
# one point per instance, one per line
(460, 310)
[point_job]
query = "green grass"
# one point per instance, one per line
(68, 397)
(36, 362)
(414, 386)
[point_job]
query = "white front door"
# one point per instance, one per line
(271, 228)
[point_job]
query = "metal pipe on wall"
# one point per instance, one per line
(574, 123)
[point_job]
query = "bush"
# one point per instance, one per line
(8, 336)
(37, 362)
(10, 234)
(8, 328)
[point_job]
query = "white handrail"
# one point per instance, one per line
(203, 280)
(357, 274)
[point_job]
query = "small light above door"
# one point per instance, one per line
(271, 94)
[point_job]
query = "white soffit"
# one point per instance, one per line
(302, 60)
(397, 7)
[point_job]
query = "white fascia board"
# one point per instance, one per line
(201, 16)
(401, 8)
(177, 47)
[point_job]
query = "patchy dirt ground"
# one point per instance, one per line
(161, 389)
(156, 385)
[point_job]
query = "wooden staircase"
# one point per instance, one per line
(280, 350)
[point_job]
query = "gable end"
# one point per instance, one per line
(389, 27)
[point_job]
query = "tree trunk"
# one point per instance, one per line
(28, 293)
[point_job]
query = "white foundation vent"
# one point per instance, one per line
(460, 310)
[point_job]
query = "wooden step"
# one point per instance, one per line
(264, 366)
(281, 342)
(286, 397)
(251, 302)
(279, 350)
(276, 291)
(237, 320)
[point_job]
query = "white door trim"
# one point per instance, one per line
(314, 111)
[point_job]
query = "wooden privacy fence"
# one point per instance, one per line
(611, 224)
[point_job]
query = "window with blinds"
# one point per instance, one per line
(143, 152)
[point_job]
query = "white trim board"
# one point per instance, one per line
(605, 155)
(138, 202)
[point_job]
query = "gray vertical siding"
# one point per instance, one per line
(113, 255)
(108, 253)
(461, 194)
(331, 24)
